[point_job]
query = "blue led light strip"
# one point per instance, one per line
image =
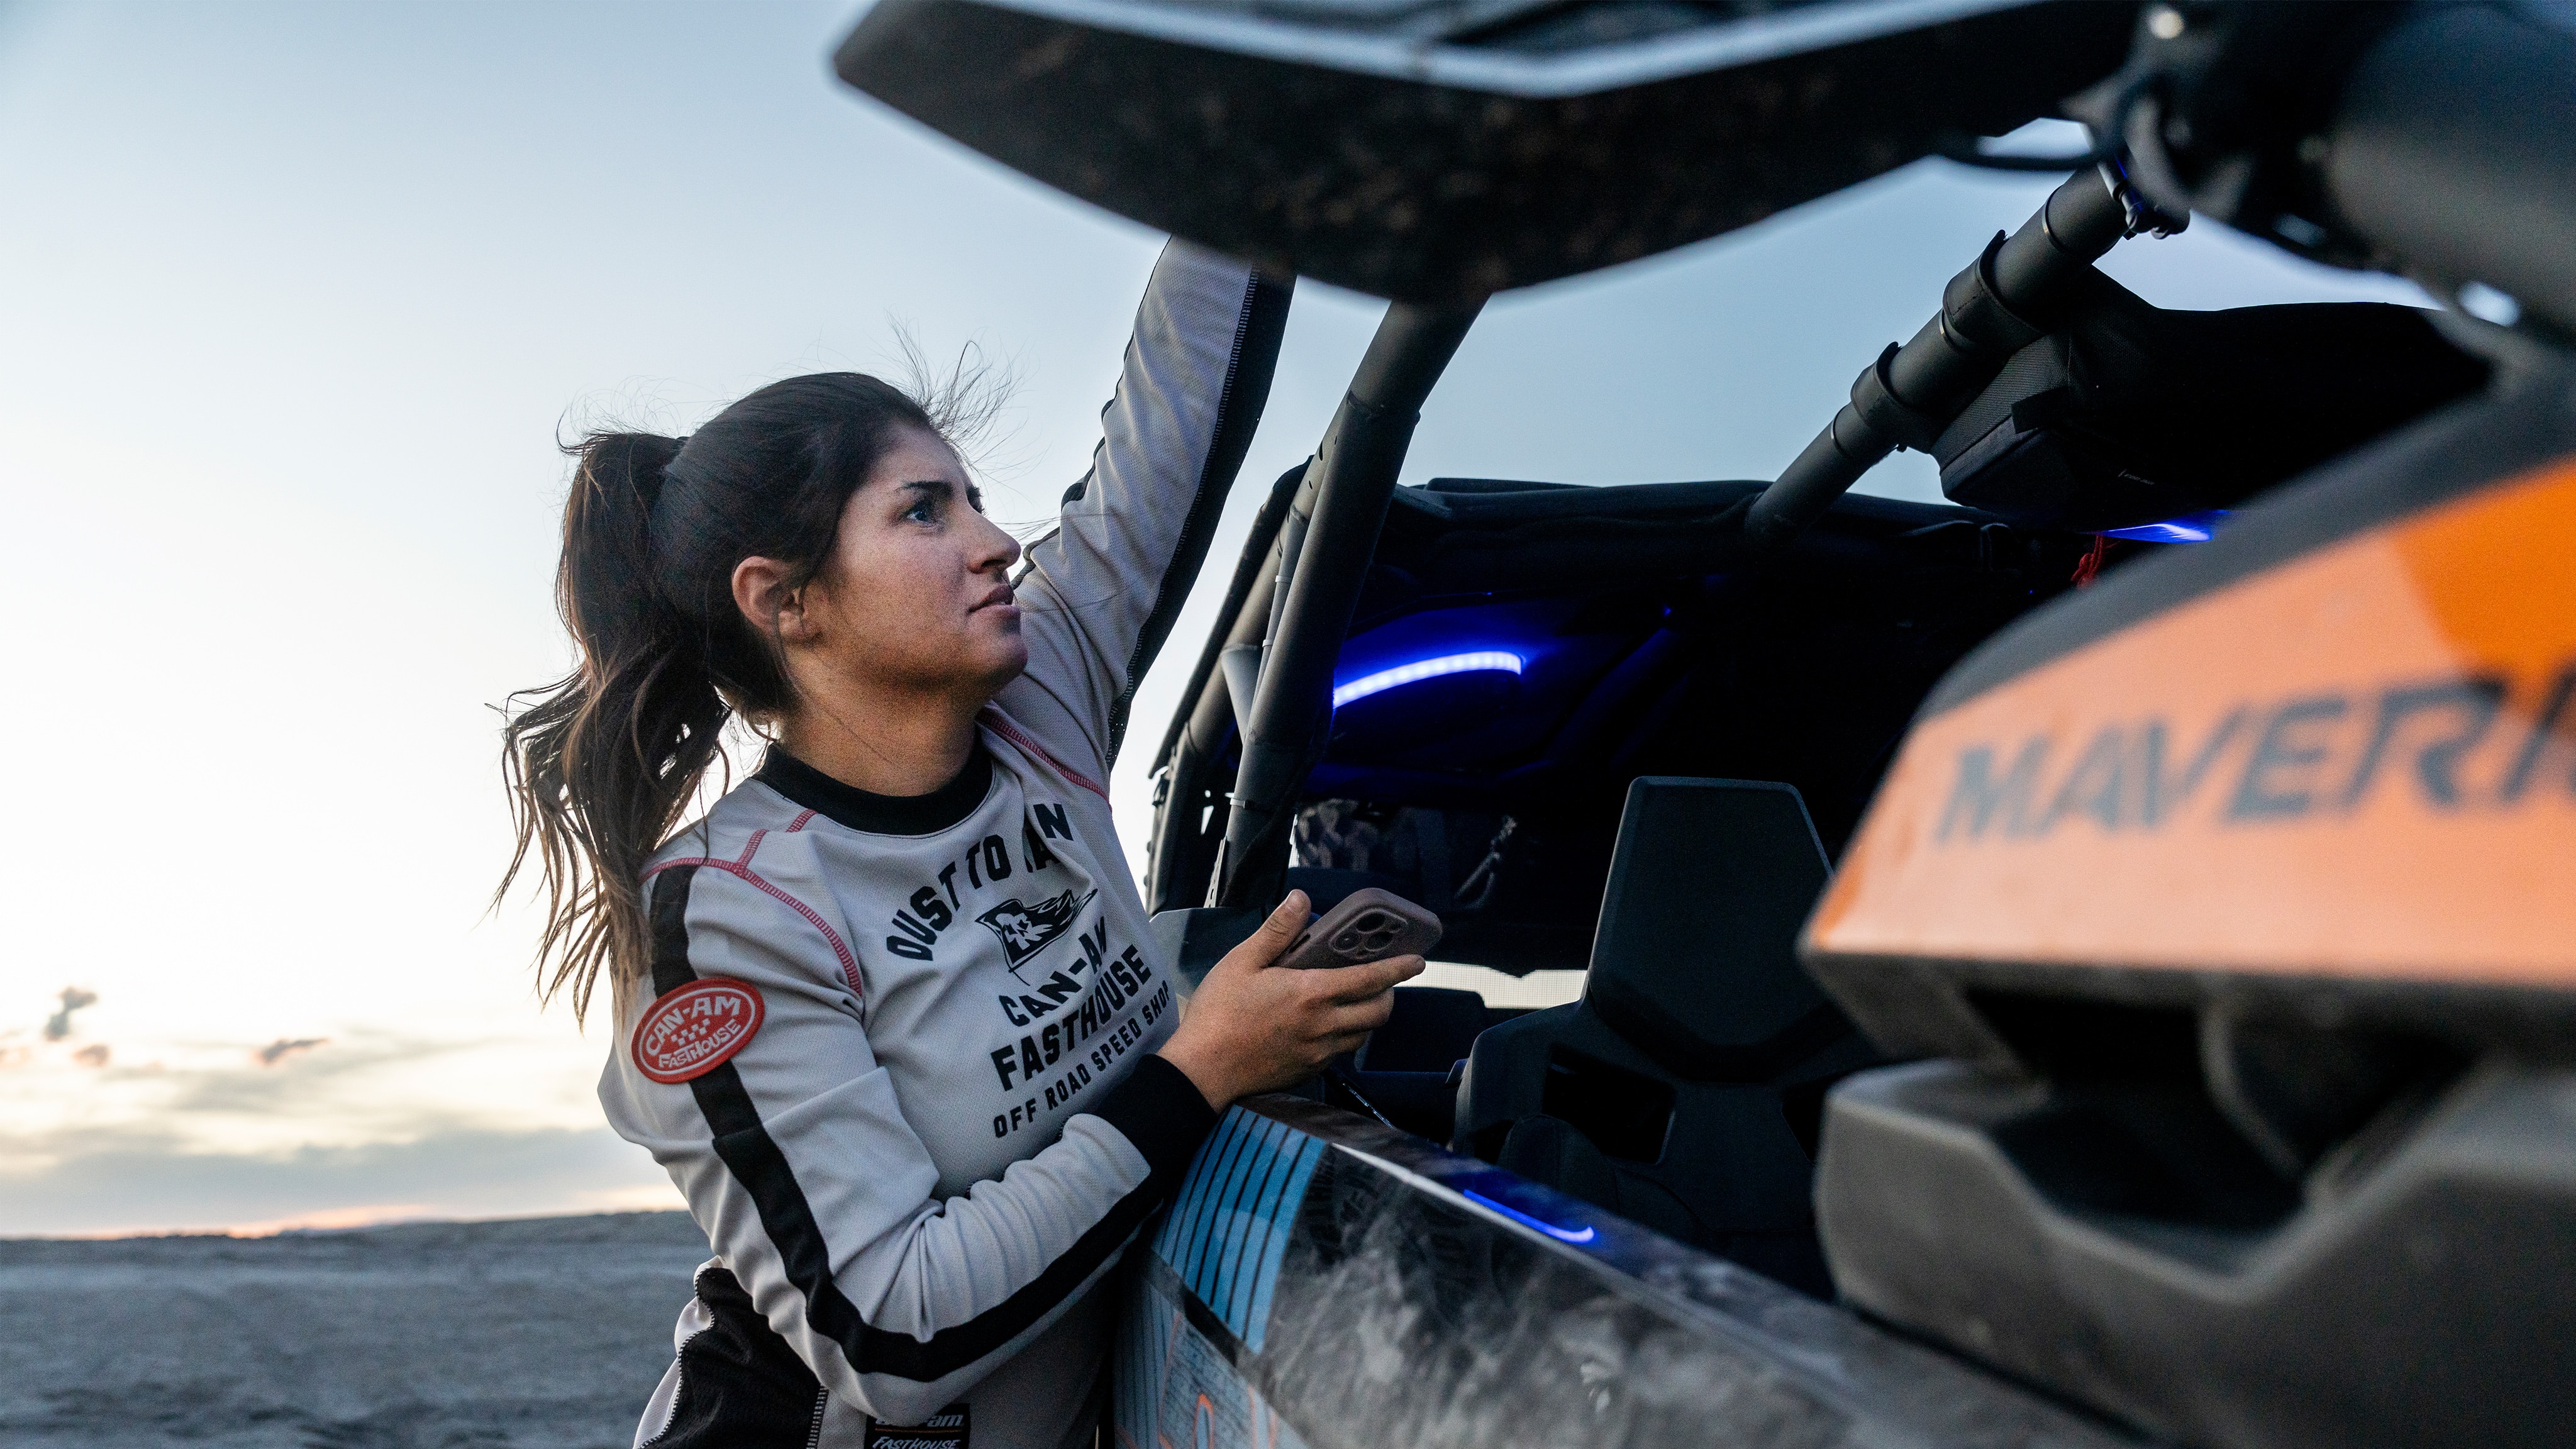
(1583, 1234)
(2190, 528)
(1386, 679)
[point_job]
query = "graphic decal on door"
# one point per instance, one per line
(1202, 1302)
(1229, 1226)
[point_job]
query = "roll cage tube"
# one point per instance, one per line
(2003, 302)
(1326, 541)
(1176, 853)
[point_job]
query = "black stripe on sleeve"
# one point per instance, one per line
(1159, 1109)
(1163, 1124)
(1258, 327)
(671, 968)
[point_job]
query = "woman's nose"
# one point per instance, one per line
(1000, 550)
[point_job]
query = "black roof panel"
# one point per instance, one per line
(1438, 150)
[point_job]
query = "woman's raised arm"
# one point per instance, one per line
(1100, 593)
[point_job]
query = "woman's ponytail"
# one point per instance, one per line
(601, 763)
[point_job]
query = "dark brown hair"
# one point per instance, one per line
(601, 763)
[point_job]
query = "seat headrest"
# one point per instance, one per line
(1431, 1028)
(1695, 959)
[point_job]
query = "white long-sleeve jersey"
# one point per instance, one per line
(896, 1053)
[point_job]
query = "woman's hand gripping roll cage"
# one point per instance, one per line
(889, 1012)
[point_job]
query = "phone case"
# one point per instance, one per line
(1369, 925)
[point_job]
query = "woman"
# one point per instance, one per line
(889, 1013)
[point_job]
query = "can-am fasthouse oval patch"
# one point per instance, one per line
(695, 1029)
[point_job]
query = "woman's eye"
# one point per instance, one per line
(922, 512)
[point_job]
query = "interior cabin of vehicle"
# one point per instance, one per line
(1594, 728)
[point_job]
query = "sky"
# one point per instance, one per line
(296, 301)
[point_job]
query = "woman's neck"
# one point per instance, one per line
(910, 747)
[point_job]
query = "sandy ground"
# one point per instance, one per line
(546, 1331)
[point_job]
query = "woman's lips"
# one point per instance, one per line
(1000, 601)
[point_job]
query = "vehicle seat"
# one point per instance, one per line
(1407, 1069)
(1684, 1089)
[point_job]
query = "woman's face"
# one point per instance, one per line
(915, 598)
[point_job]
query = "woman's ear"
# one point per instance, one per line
(761, 592)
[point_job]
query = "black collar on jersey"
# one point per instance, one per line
(880, 814)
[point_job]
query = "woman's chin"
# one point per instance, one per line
(1003, 658)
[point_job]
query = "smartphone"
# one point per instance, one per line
(1369, 925)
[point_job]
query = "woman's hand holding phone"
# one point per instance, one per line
(1257, 1026)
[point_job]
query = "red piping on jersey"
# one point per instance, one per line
(741, 867)
(993, 721)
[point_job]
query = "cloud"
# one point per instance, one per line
(145, 1179)
(268, 1055)
(237, 1098)
(302, 1077)
(59, 1025)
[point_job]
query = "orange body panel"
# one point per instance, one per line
(2361, 763)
